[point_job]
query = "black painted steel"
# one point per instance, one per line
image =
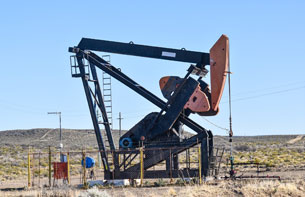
(117, 74)
(169, 119)
(97, 130)
(102, 108)
(181, 55)
(165, 153)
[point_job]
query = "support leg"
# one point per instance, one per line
(211, 145)
(205, 157)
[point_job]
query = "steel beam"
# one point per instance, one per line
(181, 55)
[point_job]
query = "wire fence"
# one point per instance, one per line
(52, 168)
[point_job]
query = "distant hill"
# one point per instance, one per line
(43, 137)
(77, 139)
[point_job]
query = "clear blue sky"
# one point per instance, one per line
(267, 55)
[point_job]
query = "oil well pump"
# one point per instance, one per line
(160, 132)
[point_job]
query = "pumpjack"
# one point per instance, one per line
(161, 133)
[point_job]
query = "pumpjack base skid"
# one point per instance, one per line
(159, 134)
(158, 174)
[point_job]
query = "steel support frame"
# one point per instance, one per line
(117, 74)
(94, 118)
(206, 138)
(165, 153)
(101, 105)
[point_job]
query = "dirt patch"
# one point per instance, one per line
(219, 188)
(293, 141)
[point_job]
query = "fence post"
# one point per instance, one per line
(50, 167)
(33, 169)
(68, 167)
(84, 169)
(199, 164)
(142, 165)
(29, 168)
(39, 163)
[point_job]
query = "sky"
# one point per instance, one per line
(267, 58)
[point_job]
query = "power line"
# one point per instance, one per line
(270, 88)
(266, 94)
(220, 127)
(141, 110)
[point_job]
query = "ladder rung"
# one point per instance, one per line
(107, 97)
(103, 123)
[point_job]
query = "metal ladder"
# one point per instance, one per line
(107, 96)
(107, 92)
(216, 161)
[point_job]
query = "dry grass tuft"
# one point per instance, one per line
(172, 192)
(294, 188)
(94, 192)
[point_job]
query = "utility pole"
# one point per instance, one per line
(120, 124)
(60, 133)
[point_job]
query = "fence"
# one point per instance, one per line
(51, 168)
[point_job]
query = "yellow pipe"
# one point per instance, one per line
(29, 168)
(142, 166)
(199, 164)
